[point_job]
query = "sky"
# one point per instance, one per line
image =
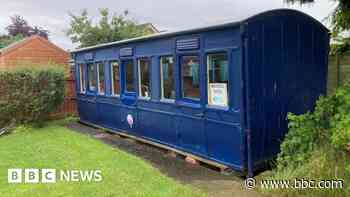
(166, 15)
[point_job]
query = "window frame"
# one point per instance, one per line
(82, 86)
(124, 86)
(88, 64)
(139, 77)
(162, 98)
(182, 96)
(110, 63)
(98, 64)
(207, 54)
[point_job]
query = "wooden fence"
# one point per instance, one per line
(69, 106)
(338, 71)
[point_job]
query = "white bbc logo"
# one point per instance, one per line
(31, 175)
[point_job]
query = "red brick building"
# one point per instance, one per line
(36, 50)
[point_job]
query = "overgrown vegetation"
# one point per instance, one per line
(29, 94)
(317, 146)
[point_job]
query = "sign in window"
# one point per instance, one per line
(190, 77)
(217, 70)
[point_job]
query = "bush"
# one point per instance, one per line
(317, 145)
(29, 94)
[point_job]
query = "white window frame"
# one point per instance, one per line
(88, 76)
(112, 78)
(139, 77)
(208, 79)
(81, 75)
(98, 64)
(195, 99)
(162, 98)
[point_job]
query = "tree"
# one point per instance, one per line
(340, 22)
(108, 29)
(7, 40)
(19, 26)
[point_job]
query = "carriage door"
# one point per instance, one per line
(128, 82)
(222, 115)
(190, 122)
(128, 95)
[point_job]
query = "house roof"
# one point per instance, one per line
(21, 43)
(151, 27)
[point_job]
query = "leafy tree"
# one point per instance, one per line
(340, 21)
(7, 40)
(19, 26)
(108, 29)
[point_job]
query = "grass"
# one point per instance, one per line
(55, 146)
(324, 164)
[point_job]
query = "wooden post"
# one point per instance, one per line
(338, 70)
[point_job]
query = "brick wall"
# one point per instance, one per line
(36, 51)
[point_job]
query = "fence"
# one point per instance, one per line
(338, 71)
(69, 106)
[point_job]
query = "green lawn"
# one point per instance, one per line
(55, 146)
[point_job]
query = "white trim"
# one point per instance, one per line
(88, 76)
(162, 98)
(111, 64)
(82, 86)
(98, 64)
(139, 78)
(208, 79)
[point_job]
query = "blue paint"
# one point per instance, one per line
(277, 63)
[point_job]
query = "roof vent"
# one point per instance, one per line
(125, 52)
(188, 43)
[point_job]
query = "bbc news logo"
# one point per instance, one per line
(32, 175)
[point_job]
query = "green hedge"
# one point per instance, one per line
(29, 94)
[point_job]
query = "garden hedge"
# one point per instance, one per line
(29, 94)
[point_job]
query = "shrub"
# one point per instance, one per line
(317, 145)
(328, 125)
(29, 94)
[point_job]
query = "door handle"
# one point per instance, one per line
(199, 114)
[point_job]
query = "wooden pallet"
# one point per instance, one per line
(223, 168)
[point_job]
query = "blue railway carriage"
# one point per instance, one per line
(219, 93)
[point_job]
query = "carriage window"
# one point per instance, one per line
(115, 78)
(91, 77)
(190, 77)
(167, 78)
(144, 78)
(82, 78)
(101, 78)
(217, 70)
(129, 76)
